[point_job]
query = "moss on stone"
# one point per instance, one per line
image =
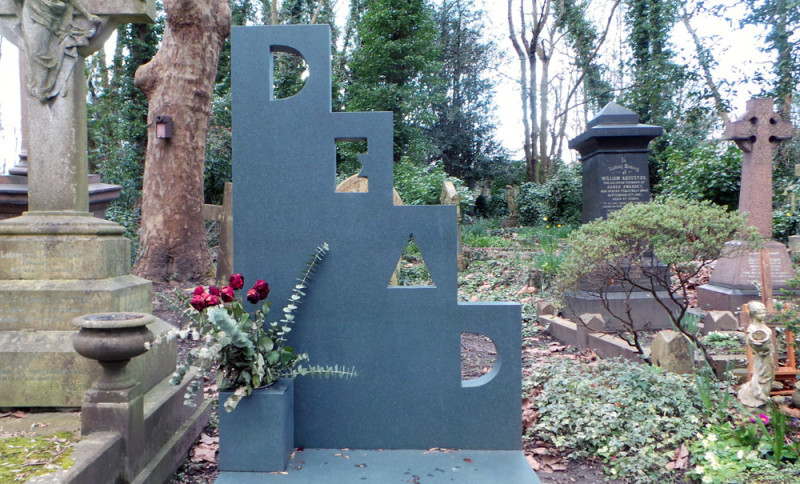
(27, 455)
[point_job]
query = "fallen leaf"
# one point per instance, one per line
(205, 452)
(535, 465)
(558, 467)
(206, 439)
(551, 459)
(541, 451)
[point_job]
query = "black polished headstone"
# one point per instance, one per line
(614, 153)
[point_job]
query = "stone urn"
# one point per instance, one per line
(112, 339)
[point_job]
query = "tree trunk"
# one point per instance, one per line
(178, 82)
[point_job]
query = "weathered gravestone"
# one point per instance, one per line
(735, 277)
(405, 342)
(614, 159)
(57, 261)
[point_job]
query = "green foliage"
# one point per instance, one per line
(394, 67)
(582, 36)
(463, 132)
(631, 416)
(218, 165)
(705, 173)
(247, 351)
(683, 235)
(420, 185)
(557, 201)
(753, 448)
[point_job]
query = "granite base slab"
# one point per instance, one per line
(336, 466)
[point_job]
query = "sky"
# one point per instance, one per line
(735, 49)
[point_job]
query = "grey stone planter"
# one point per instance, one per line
(258, 436)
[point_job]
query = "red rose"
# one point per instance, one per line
(198, 291)
(236, 281)
(252, 296)
(262, 287)
(198, 302)
(211, 300)
(213, 290)
(226, 294)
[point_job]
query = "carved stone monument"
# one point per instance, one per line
(734, 279)
(614, 159)
(57, 261)
(405, 342)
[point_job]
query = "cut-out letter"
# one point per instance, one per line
(411, 268)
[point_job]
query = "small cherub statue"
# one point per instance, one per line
(755, 392)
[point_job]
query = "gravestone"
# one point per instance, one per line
(614, 163)
(734, 279)
(57, 260)
(405, 342)
(614, 160)
(512, 202)
(670, 350)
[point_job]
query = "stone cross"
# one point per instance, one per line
(757, 133)
(55, 36)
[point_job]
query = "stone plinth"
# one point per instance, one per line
(733, 282)
(54, 268)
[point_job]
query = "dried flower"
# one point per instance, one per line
(236, 281)
(226, 294)
(262, 287)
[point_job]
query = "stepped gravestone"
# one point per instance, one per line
(615, 171)
(405, 342)
(735, 278)
(57, 261)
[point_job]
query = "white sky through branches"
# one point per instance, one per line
(735, 50)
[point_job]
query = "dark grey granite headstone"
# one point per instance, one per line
(614, 159)
(405, 342)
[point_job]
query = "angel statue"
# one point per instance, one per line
(755, 392)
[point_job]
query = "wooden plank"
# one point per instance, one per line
(225, 256)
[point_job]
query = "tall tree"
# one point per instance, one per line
(463, 134)
(394, 68)
(179, 82)
(782, 18)
(547, 100)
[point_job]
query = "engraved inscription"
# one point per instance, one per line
(624, 183)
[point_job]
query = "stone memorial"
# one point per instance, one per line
(614, 163)
(59, 263)
(670, 350)
(512, 202)
(735, 277)
(614, 159)
(404, 341)
(450, 196)
(57, 260)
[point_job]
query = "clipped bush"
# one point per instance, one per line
(685, 236)
(558, 199)
(631, 416)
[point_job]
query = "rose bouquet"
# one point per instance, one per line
(247, 351)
